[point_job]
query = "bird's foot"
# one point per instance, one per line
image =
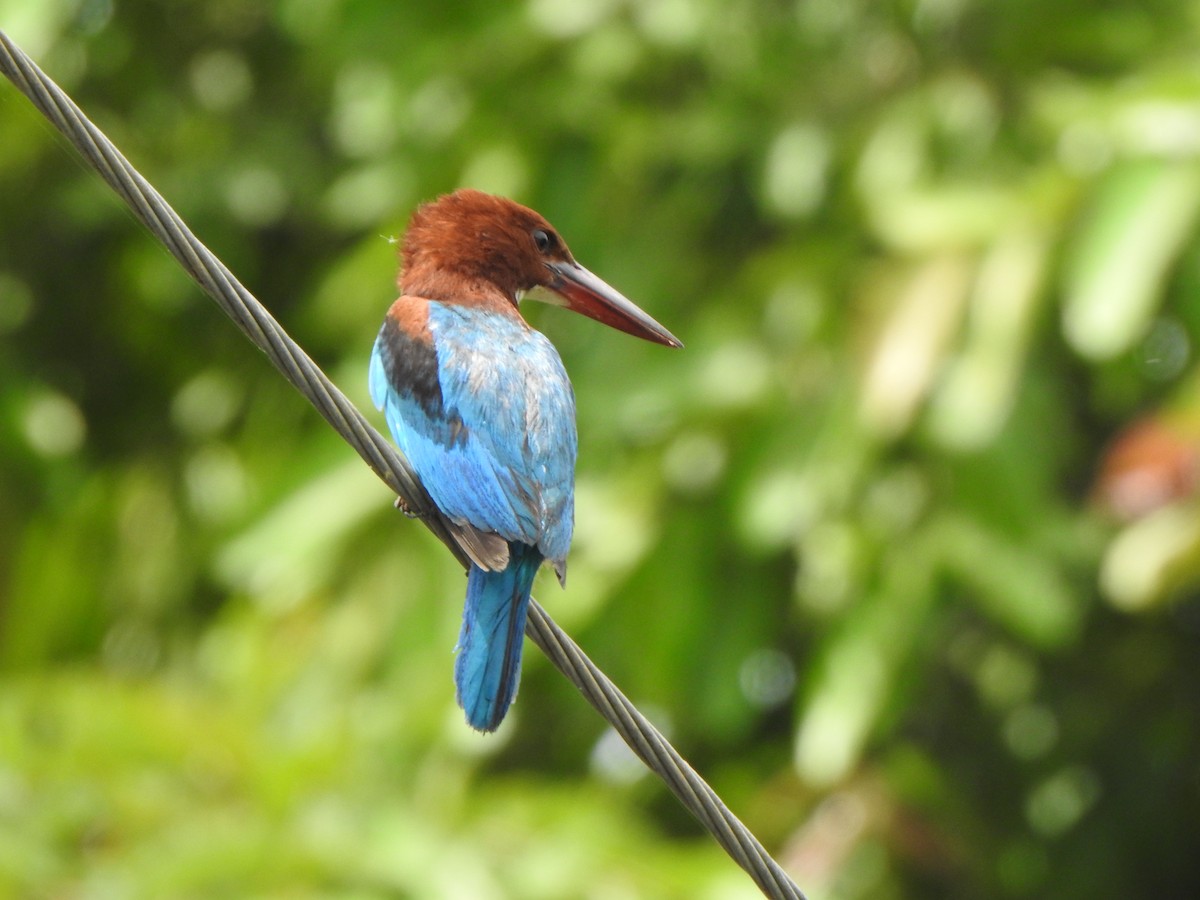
(407, 510)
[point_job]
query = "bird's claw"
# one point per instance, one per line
(406, 509)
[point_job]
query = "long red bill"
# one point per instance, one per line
(585, 293)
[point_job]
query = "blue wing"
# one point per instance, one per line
(481, 406)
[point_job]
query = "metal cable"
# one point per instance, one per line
(295, 365)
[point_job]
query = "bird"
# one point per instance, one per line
(480, 404)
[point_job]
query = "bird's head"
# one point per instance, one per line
(477, 237)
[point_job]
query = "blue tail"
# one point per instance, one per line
(489, 646)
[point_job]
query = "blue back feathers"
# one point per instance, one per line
(481, 406)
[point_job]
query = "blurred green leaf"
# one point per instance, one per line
(1137, 224)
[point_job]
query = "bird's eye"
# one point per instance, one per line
(542, 240)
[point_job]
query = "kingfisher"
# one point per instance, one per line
(480, 404)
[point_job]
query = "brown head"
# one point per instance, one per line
(467, 241)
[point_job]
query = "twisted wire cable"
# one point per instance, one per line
(295, 365)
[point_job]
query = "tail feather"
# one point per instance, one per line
(488, 667)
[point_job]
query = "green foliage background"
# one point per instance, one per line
(929, 259)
